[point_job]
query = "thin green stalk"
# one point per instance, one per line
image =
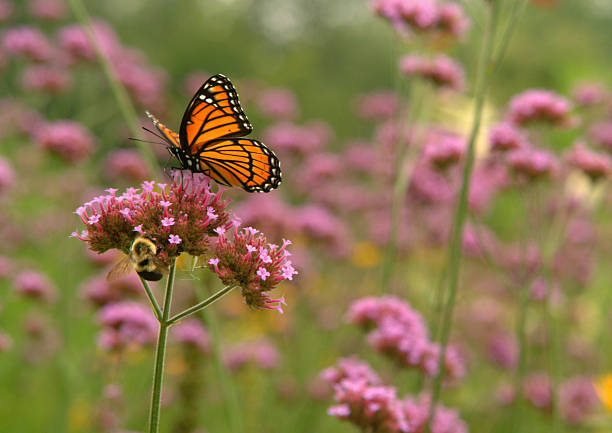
(521, 338)
(221, 293)
(402, 181)
(121, 96)
(160, 354)
(227, 387)
(455, 247)
(151, 296)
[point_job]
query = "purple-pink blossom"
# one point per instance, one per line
(533, 163)
(126, 325)
(594, 164)
(125, 164)
(28, 42)
(50, 79)
(538, 105)
(440, 70)
(192, 333)
(506, 136)
(7, 175)
(71, 140)
(35, 285)
(278, 104)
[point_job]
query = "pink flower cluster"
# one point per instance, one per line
(248, 261)
(278, 104)
(192, 333)
(261, 353)
(7, 175)
(27, 42)
(505, 136)
(377, 105)
(441, 70)
(35, 285)
(71, 140)
(365, 401)
(126, 325)
(399, 332)
(291, 138)
(181, 217)
(126, 164)
(100, 292)
(443, 149)
(594, 164)
(447, 19)
(50, 79)
(533, 163)
(601, 133)
(538, 105)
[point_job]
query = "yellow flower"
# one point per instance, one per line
(604, 390)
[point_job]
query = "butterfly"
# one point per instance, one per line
(211, 140)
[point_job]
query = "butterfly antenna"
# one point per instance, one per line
(157, 135)
(145, 141)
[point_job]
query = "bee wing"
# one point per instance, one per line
(120, 269)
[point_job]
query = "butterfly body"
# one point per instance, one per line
(211, 140)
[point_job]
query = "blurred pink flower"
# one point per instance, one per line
(587, 94)
(126, 164)
(193, 334)
(71, 140)
(377, 105)
(6, 10)
(7, 175)
(76, 46)
(503, 350)
(292, 138)
(351, 368)
(538, 391)
(443, 149)
(319, 224)
(533, 163)
(538, 105)
(126, 325)
(27, 42)
(35, 285)
(441, 70)
(577, 399)
(361, 157)
(601, 133)
(445, 420)
(452, 19)
(505, 136)
(48, 9)
(488, 178)
(318, 168)
(429, 186)
(278, 104)
(51, 79)
(144, 83)
(6, 268)
(593, 164)
(100, 292)
(262, 353)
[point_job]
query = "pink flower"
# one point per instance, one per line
(193, 334)
(352, 369)
(7, 175)
(587, 94)
(236, 266)
(537, 105)
(261, 353)
(593, 164)
(71, 140)
(377, 105)
(602, 134)
(51, 79)
(452, 19)
(192, 229)
(100, 292)
(125, 164)
(27, 42)
(441, 70)
(6, 9)
(533, 163)
(278, 104)
(291, 138)
(505, 136)
(167, 222)
(537, 390)
(577, 399)
(35, 285)
(6, 342)
(503, 350)
(443, 149)
(125, 325)
(48, 9)
(75, 44)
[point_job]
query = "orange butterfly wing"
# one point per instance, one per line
(214, 112)
(241, 162)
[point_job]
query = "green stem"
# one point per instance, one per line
(522, 360)
(121, 96)
(455, 247)
(160, 354)
(221, 293)
(151, 296)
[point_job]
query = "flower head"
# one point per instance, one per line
(126, 324)
(593, 164)
(35, 285)
(537, 105)
(441, 70)
(27, 42)
(192, 333)
(255, 274)
(192, 229)
(71, 140)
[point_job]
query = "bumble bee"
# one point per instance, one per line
(143, 259)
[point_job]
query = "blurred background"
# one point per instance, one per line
(329, 87)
